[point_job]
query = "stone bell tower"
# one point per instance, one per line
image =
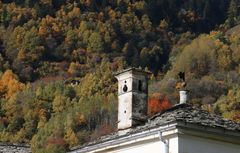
(132, 97)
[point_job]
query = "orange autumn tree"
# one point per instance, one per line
(158, 102)
(9, 84)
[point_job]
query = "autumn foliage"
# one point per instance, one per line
(157, 103)
(43, 43)
(9, 84)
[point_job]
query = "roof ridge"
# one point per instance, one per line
(177, 106)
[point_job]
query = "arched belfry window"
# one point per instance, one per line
(125, 88)
(139, 85)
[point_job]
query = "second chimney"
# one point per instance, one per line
(183, 96)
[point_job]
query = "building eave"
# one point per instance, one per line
(167, 130)
(216, 133)
(177, 127)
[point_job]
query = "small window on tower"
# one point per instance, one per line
(140, 85)
(125, 88)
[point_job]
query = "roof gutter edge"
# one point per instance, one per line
(125, 138)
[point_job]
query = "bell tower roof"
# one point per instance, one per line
(133, 70)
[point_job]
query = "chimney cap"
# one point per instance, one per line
(133, 69)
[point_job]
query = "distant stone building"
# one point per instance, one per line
(72, 82)
(180, 129)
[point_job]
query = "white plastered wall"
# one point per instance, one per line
(125, 111)
(194, 144)
(148, 144)
(151, 147)
(155, 146)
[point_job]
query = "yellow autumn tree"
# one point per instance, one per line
(74, 67)
(49, 26)
(60, 103)
(70, 137)
(224, 55)
(9, 84)
(228, 105)
(42, 118)
(74, 13)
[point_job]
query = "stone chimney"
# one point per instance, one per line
(132, 97)
(183, 94)
(181, 85)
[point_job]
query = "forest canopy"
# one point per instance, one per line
(45, 44)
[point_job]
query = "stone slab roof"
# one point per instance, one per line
(185, 113)
(190, 114)
(14, 148)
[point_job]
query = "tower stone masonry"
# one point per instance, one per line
(132, 97)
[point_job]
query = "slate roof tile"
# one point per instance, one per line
(190, 114)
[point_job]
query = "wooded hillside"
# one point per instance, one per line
(45, 44)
